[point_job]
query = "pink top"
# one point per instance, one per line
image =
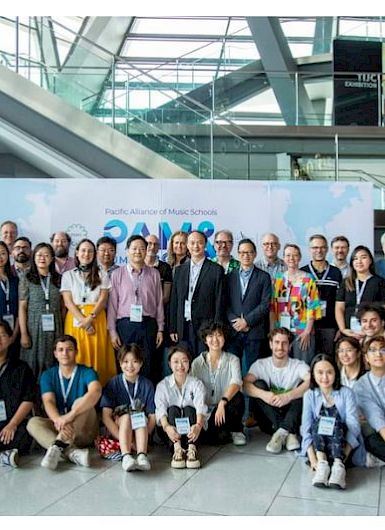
(69, 264)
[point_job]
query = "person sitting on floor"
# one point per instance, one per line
(220, 372)
(17, 394)
(70, 392)
(276, 385)
(128, 408)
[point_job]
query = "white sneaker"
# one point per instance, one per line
(238, 438)
(178, 458)
(320, 479)
(277, 442)
(292, 442)
(142, 462)
(192, 460)
(337, 476)
(80, 457)
(128, 462)
(52, 457)
(9, 457)
(373, 461)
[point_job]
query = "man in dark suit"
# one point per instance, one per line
(197, 294)
(248, 301)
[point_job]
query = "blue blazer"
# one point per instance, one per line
(254, 305)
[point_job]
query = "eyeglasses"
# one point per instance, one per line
(219, 242)
(381, 351)
(268, 244)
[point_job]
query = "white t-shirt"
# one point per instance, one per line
(81, 294)
(280, 379)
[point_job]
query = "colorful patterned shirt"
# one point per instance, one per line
(233, 264)
(299, 299)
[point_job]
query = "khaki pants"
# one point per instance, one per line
(86, 427)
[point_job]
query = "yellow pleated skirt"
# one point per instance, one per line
(95, 350)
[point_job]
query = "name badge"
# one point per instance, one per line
(283, 299)
(326, 426)
(182, 425)
(187, 309)
(136, 313)
(10, 319)
(48, 322)
(355, 324)
(3, 412)
(138, 420)
(285, 321)
(323, 305)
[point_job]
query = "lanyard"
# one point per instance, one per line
(360, 292)
(45, 287)
(132, 399)
(136, 280)
(85, 288)
(5, 287)
(194, 275)
(65, 393)
(3, 368)
(324, 275)
(182, 394)
(213, 374)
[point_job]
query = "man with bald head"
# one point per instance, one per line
(270, 262)
(8, 233)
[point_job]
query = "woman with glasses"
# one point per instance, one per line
(349, 361)
(85, 293)
(370, 394)
(295, 304)
(362, 285)
(40, 310)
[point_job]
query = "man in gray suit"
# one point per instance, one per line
(248, 301)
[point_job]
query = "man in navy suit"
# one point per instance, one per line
(248, 302)
(197, 295)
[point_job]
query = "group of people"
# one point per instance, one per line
(299, 351)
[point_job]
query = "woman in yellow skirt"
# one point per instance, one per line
(85, 293)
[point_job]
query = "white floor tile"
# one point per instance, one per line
(290, 506)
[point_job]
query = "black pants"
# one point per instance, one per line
(192, 340)
(21, 441)
(375, 444)
(178, 412)
(142, 333)
(324, 340)
(243, 347)
(272, 418)
(220, 434)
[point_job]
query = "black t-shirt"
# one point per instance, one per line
(165, 272)
(374, 292)
(327, 289)
(17, 384)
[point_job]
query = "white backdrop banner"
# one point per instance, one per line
(119, 208)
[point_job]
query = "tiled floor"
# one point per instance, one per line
(232, 481)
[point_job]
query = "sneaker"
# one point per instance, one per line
(320, 479)
(238, 438)
(142, 462)
(178, 459)
(128, 462)
(250, 422)
(292, 442)
(52, 457)
(373, 461)
(192, 461)
(10, 457)
(277, 442)
(337, 476)
(80, 457)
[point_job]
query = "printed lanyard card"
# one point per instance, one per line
(284, 320)
(187, 309)
(323, 305)
(355, 324)
(48, 322)
(182, 425)
(326, 426)
(3, 412)
(138, 420)
(10, 319)
(136, 313)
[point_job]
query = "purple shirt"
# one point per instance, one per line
(69, 264)
(122, 295)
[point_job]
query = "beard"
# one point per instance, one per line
(61, 252)
(21, 258)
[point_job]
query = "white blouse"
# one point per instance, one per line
(81, 293)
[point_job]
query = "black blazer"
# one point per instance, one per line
(254, 305)
(207, 301)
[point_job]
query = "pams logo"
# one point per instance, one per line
(77, 233)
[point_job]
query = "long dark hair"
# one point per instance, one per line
(7, 266)
(324, 357)
(351, 279)
(33, 275)
(93, 277)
